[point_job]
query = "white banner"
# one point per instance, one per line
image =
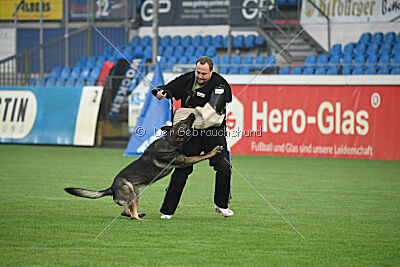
(344, 11)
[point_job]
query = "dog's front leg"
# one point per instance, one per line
(184, 161)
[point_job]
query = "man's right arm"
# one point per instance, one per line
(171, 89)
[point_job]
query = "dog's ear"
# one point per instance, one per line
(166, 128)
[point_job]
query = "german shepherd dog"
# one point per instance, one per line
(156, 162)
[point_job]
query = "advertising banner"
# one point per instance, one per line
(343, 121)
(30, 10)
(344, 11)
(35, 115)
(208, 12)
(103, 9)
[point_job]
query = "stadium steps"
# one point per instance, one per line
(301, 47)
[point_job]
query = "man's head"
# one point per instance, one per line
(204, 69)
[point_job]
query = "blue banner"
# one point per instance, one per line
(155, 114)
(48, 115)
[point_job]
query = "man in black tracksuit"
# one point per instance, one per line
(196, 89)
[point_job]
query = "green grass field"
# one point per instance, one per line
(347, 210)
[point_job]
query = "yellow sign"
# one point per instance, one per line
(30, 9)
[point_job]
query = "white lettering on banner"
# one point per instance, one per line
(329, 119)
(312, 149)
(18, 110)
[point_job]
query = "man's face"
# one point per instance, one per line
(203, 73)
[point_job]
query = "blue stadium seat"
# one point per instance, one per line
(42, 81)
(397, 40)
(383, 70)
(359, 60)
(66, 71)
(148, 52)
(113, 59)
(310, 60)
(91, 62)
(197, 40)
(56, 71)
(238, 41)
(358, 70)
(218, 41)
(223, 70)
(190, 51)
(259, 40)
(192, 60)
(347, 70)
(79, 82)
(385, 49)
(145, 41)
(384, 60)
(284, 70)
(396, 49)
(179, 51)
(259, 62)
(60, 82)
(51, 81)
(81, 61)
(163, 63)
(333, 70)
(248, 61)
(135, 41)
(234, 70)
(323, 59)
(226, 41)
(371, 70)
(176, 40)
(207, 40)
(395, 70)
(172, 61)
(250, 40)
(348, 49)
(373, 59)
(360, 49)
(70, 82)
(365, 38)
(372, 49)
(244, 70)
(321, 70)
(389, 37)
(169, 51)
(270, 62)
(200, 51)
(166, 40)
(308, 70)
(236, 60)
(216, 60)
(334, 60)
(297, 70)
(336, 50)
(101, 60)
(377, 38)
(95, 73)
(211, 51)
(76, 72)
(225, 62)
(183, 60)
(396, 59)
(90, 82)
(32, 81)
(85, 72)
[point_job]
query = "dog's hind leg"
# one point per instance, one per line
(133, 207)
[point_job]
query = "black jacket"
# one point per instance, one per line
(182, 88)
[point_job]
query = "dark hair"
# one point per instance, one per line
(203, 60)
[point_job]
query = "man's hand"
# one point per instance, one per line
(161, 94)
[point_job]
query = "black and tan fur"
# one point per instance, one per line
(157, 161)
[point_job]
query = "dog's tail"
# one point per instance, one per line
(88, 193)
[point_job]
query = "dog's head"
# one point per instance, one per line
(181, 132)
